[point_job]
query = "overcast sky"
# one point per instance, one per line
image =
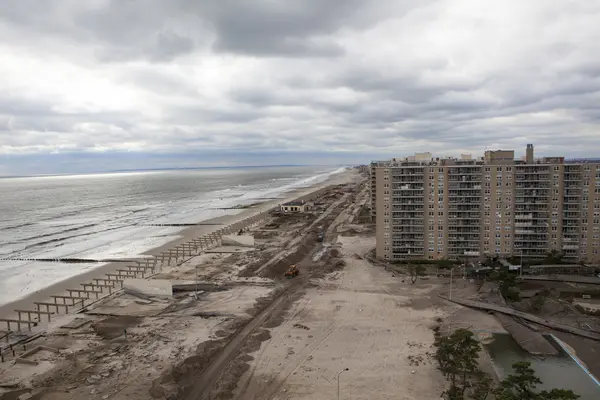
(238, 81)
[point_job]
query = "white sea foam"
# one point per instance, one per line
(92, 232)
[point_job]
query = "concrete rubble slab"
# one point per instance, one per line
(238, 240)
(230, 249)
(192, 286)
(150, 287)
(76, 323)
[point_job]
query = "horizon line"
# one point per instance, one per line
(117, 171)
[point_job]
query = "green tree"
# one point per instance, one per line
(558, 394)
(522, 383)
(483, 387)
(554, 257)
(457, 356)
(507, 283)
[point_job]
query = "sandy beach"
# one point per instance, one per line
(7, 310)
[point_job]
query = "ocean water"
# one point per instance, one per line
(109, 216)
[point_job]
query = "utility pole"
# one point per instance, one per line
(338, 381)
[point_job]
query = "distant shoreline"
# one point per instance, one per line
(142, 170)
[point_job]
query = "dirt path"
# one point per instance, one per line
(206, 380)
(293, 244)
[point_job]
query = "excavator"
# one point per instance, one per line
(292, 271)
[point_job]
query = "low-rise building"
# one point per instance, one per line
(296, 206)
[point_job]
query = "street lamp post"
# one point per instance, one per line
(338, 381)
(450, 296)
(521, 269)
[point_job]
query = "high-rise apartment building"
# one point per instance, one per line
(426, 208)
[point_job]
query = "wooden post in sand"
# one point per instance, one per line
(171, 256)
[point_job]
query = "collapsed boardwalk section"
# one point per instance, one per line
(25, 324)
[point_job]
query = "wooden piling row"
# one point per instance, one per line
(112, 282)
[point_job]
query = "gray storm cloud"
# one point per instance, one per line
(375, 77)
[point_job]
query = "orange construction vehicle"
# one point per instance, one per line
(292, 271)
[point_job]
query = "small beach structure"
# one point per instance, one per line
(295, 206)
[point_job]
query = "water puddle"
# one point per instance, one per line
(559, 371)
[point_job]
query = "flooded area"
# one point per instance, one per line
(560, 371)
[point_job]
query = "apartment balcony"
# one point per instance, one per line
(464, 208)
(458, 235)
(464, 251)
(532, 170)
(409, 202)
(537, 216)
(536, 237)
(404, 244)
(408, 172)
(408, 193)
(570, 247)
(530, 202)
(401, 182)
(531, 199)
(462, 246)
(408, 236)
(466, 242)
(530, 216)
(466, 230)
(407, 217)
(463, 222)
(459, 172)
(540, 248)
(532, 178)
(464, 186)
(407, 208)
(531, 185)
(407, 187)
(465, 194)
(571, 231)
(570, 239)
(524, 216)
(408, 251)
(464, 179)
(473, 217)
(541, 217)
(531, 209)
(407, 213)
(536, 229)
(408, 230)
(531, 192)
(524, 231)
(408, 223)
